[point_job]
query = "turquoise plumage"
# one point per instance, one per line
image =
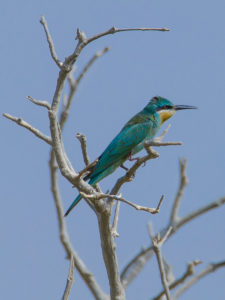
(130, 140)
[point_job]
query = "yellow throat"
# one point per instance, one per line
(166, 114)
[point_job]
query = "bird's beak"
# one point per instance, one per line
(180, 107)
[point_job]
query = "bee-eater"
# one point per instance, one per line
(130, 140)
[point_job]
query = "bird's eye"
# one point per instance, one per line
(156, 98)
(166, 107)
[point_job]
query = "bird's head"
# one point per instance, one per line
(165, 108)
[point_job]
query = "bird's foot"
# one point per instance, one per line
(131, 158)
(124, 167)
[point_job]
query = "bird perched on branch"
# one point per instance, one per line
(130, 140)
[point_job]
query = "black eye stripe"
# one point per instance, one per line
(164, 107)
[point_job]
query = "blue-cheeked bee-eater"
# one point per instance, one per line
(130, 140)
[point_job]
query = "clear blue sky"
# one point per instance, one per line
(185, 65)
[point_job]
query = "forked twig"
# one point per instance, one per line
(157, 244)
(211, 268)
(189, 272)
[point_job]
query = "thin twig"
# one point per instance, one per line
(70, 279)
(211, 268)
(85, 170)
(116, 30)
(198, 212)
(115, 220)
(83, 142)
(74, 83)
(162, 240)
(26, 125)
(189, 272)
(99, 196)
(83, 41)
(90, 63)
(161, 137)
(39, 102)
(183, 183)
(50, 42)
(157, 244)
(169, 271)
(155, 143)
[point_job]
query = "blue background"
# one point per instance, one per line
(185, 65)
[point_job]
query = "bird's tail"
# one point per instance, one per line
(75, 202)
(95, 179)
(79, 197)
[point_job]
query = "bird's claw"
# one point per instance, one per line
(131, 158)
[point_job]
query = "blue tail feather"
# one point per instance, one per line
(96, 177)
(75, 202)
(79, 197)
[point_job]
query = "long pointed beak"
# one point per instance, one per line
(180, 107)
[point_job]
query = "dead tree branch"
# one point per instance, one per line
(157, 244)
(116, 30)
(189, 272)
(83, 142)
(39, 102)
(59, 159)
(99, 196)
(183, 183)
(74, 83)
(115, 220)
(87, 276)
(211, 268)
(26, 125)
(134, 267)
(69, 282)
(50, 42)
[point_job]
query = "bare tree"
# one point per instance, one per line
(102, 203)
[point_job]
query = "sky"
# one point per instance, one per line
(185, 65)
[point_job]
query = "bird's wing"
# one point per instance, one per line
(121, 146)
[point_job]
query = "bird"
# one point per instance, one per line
(130, 140)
